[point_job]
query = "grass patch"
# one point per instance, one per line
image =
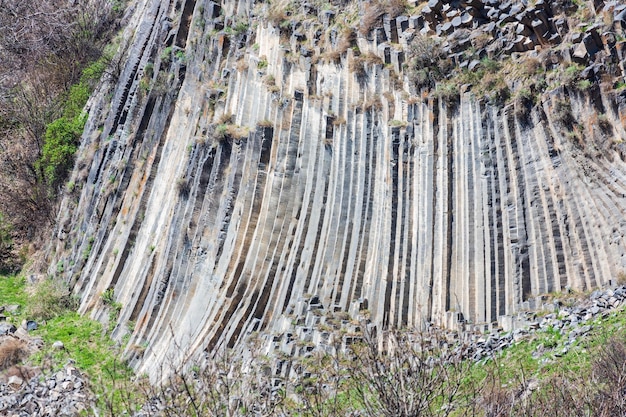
(12, 290)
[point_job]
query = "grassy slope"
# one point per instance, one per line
(85, 341)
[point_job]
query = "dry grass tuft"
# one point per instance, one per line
(12, 351)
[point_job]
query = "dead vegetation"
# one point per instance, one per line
(375, 10)
(12, 351)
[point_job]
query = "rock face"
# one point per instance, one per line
(227, 183)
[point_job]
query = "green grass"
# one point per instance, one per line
(85, 341)
(12, 290)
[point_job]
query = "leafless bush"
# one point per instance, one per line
(11, 352)
(609, 372)
(44, 46)
(225, 385)
(569, 393)
(319, 384)
(407, 378)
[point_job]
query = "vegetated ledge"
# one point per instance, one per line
(343, 184)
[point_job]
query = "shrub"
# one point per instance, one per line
(62, 136)
(427, 63)
(583, 84)
(448, 92)
(108, 296)
(60, 145)
(563, 113)
(183, 187)
(166, 55)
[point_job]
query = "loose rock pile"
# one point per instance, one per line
(61, 394)
(572, 321)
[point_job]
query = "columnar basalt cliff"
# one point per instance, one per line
(238, 175)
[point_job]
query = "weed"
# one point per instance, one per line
(166, 55)
(6, 243)
(264, 123)
(183, 187)
(583, 85)
(108, 296)
(563, 113)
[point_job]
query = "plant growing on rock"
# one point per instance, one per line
(374, 11)
(426, 64)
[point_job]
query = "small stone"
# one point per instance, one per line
(15, 382)
(29, 325)
(7, 328)
(12, 308)
(67, 385)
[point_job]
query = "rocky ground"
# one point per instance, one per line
(30, 391)
(63, 393)
(572, 321)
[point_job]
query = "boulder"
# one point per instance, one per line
(416, 22)
(402, 24)
(435, 5)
